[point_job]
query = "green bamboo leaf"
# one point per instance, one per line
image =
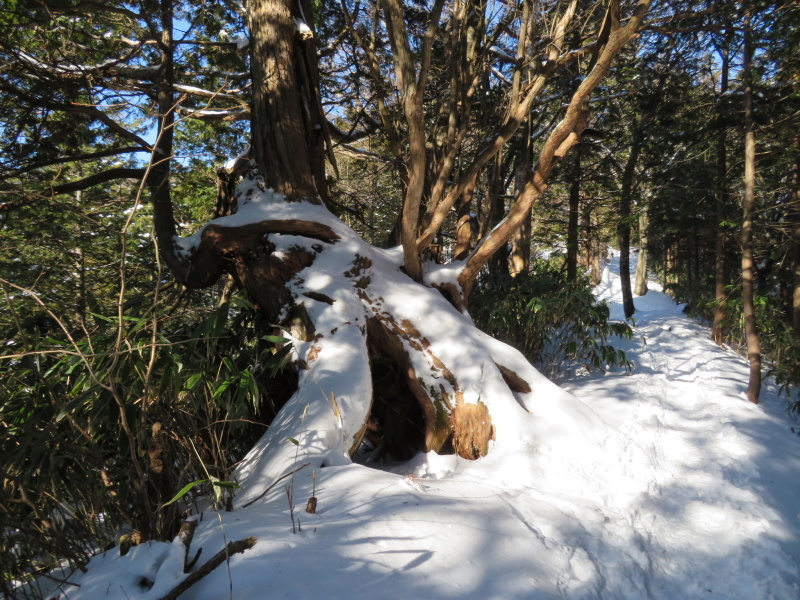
(184, 491)
(229, 485)
(221, 389)
(193, 381)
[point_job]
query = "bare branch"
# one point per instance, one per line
(74, 186)
(76, 158)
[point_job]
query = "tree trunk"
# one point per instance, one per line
(624, 226)
(521, 241)
(640, 287)
(350, 310)
(720, 278)
(498, 265)
(574, 213)
(558, 143)
(748, 262)
(521, 248)
(591, 257)
(288, 144)
(465, 226)
(795, 190)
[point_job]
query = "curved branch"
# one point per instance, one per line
(74, 186)
(75, 158)
(225, 115)
(219, 244)
(566, 133)
(71, 107)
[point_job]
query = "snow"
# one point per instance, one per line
(302, 28)
(230, 165)
(501, 53)
(663, 484)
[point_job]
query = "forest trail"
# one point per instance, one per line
(725, 495)
(677, 488)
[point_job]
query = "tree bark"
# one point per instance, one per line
(748, 261)
(411, 89)
(465, 225)
(624, 225)
(521, 241)
(288, 144)
(640, 287)
(574, 213)
(795, 191)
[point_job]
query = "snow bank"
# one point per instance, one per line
(663, 484)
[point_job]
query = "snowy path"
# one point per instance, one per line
(680, 489)
(723, 509)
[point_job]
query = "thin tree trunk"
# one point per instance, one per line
(624, 227)
(590, 257)
(748, 262)
(521, 240)
(465, 225)
(796, 239)
(640, 287)
(498, 265)
(720, 278)
(574, 212)
(521, 248)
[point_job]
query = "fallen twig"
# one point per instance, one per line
(274, 483)
(216, 560)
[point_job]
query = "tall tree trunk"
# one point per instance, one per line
(465, 226)
(748, 262)
(795, 211)
(288, 144)
(521, 241)
(498, 265)
(591, 256)
(720, 278)
(521, 248)
(624, 226)
(574, 213)
(640, 287)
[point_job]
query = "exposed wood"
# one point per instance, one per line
(472, 430)
(219, 244)
(380, 334)
(514, 381)
(186, 535)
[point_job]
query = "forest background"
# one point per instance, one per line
(123, 382)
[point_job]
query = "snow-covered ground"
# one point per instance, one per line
(686, 491)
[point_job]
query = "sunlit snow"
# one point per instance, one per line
(664, 484)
